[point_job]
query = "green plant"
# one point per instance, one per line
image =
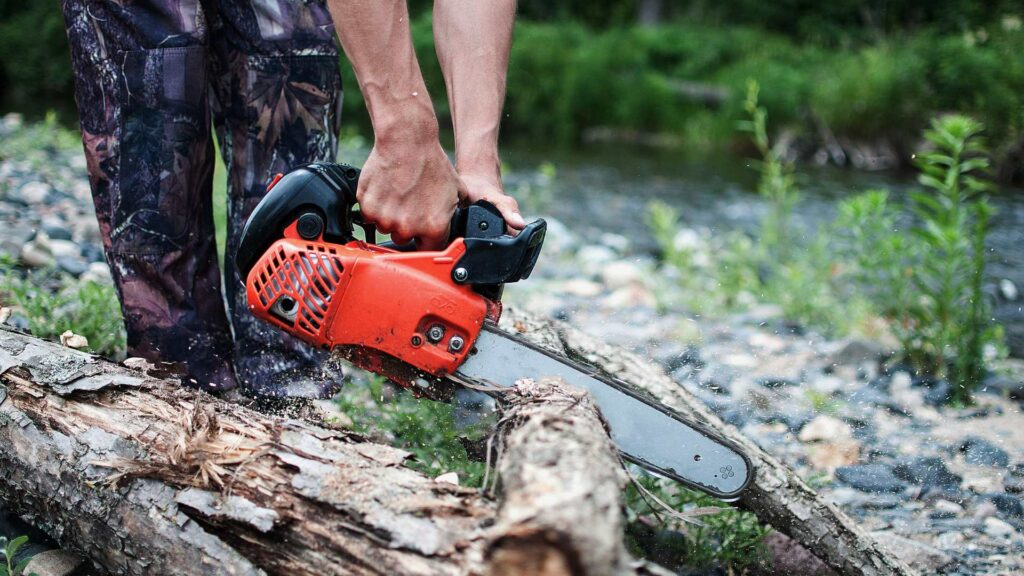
(728, 538)
(53, 303)
(950, 320)
(776, 184)
(9, 549)
(424, 427)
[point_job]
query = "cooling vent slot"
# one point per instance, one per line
(308, 277)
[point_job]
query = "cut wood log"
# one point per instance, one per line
(562, 485)
(145, 477)
(776, 495)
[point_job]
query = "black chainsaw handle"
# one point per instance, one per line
(322, 197)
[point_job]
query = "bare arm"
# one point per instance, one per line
(407, 186)
(473, 39)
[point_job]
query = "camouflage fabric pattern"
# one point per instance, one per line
(151, 76)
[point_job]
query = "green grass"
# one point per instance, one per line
(423, 427)
(53, 302)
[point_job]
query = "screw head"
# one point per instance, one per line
(483, 225)
(456, 344)
(461, 274)
(416, 340)
(435, 333)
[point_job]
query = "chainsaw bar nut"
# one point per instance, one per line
(435, 333)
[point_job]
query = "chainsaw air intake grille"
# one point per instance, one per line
(297, 285)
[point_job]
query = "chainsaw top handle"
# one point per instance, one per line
(320, 198)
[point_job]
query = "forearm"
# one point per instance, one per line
(376, 38)
(473, 39)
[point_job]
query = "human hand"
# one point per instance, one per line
(475, 186)
(409, 190)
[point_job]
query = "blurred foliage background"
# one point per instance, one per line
(873, 72)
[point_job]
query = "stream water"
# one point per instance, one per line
(606, 189)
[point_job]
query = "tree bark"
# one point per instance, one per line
(776, 495)
(145, 477)
(562, 508)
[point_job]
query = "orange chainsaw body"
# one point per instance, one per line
(377, 303)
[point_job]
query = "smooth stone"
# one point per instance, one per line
(35, 254)
(33, 193)
(855, 351)
(928, 471)
(64, 249)
(1007, 505)
(874, 478)
(825, 428)
(998, 528)
(922, 557)
(871, 395)
(72, 266)
(53, 563)
(980, 452)
(776, 382)
(938, 394)
(55, 228)
(1002, 385)
(1008, 290)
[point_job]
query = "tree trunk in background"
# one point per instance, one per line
(776, 495)
(145, 477)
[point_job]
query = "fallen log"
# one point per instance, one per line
(776, 495)
(145, 477)
(562, 510)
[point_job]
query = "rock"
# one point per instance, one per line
(1016, 470)
(776, 382)
(53, 563)
(448, 478)
(1002, 385)
(850, 498)
(854, 351)
(72, 266)
(825, 428)
(1008, 290)
(629, 297)
(64, 249)
(998, 528)
(870, 478)
(1007, 505)
(1013, 485)
(980, 452)
(620, 274)
(616, 242)
(922, 557)
(32, 193)
(926, 471)
(36, 253)
(72, 340)
(581, 287)
(828, 456)
(870, 395)
(591, 258)
(938, 394)
(97, 272)
(55, 228)
(948, 507)
(950, 540)
(14, 238)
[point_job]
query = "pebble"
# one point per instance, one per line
(926, 471)
(825, 428)
(1007, 505)
(53, 563)
(32, 193)
(872, 478)
(621, 274)
(1008, 290)
(74, 266)
(36, 253)
(998, 528)
(980, 452)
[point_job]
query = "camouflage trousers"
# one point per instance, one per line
(151, 77)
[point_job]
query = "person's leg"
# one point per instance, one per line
(276, 96)
(141, 86)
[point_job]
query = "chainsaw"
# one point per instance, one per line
(427, 320)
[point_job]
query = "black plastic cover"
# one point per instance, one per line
(325, 188)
